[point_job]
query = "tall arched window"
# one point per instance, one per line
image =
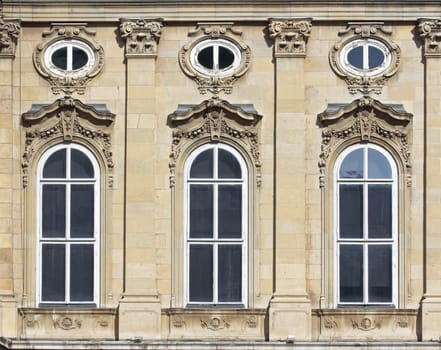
(216, 203)
(68, 226)
(366, 226)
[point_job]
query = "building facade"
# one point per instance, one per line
(197, 174)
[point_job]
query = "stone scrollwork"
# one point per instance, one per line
(366, 324)
(430, 32)
(290, 36)
(67, 323)
(364, 119)
(215, 120)
(9, 33)
(141, 36)
(214, 323)
(67, 119)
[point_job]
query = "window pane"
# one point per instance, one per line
(230, 211)
(53, 272)
(352, 166)
(201, 211)
(355, 57)
(59, 58)
(205, 57)
(82, 211)
(376, 57)
(226, 57)
(201, 273)
(380, 211)
(55, 166)
(229, 167)
(230, 273)
(79, 58)
(202, 166)
(380, 273)
(378, 165)
(351, 211)
(54, 211)
(351, 273)
(81, 272)
(81, 166)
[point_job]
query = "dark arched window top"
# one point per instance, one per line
(221, 164)
(78, 163)
(365, 163)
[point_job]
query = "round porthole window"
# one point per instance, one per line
(215, 57)
(71, 57)
(365, 57)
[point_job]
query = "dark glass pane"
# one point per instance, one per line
(205, 57)
(351, 273)
(82, 211)
(352, 165)
(79, 58)
(54, 210)
(355, 57)
(53, 272)
(351, 211)
(81, 272)
(202, 166)
(226, 57)
(376, 57)
(201, 211)
(229, 167)
(230, 273)
(380, 211)
(59, 58)
(378, 165)
(81, 166)
(230, 211)
(55, 166)
(380, 273)
(201, 273)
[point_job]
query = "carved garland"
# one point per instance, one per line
(141, 36)
(430, 31)
(9, 32)
(364, 119)
(67, 119)
(290, 36)
(214, 119)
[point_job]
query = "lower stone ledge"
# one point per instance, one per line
(214, 323)
(367, 324)
(38, 323)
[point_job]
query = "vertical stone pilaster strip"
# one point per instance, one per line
(290, 309)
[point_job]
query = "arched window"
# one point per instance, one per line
(68, 226)
(366, 226)
(216, 226)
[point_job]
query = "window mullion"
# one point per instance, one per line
(365, 56)
(69, 58)
(216, 58)
(215, 273)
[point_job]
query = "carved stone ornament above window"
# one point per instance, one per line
(215, 120)
(290, 36)
(364, 120)
(141, 36)
(9, 32)
(67, 120)
(215, 57)
(68, 57)
(430, 31)
(365, 58)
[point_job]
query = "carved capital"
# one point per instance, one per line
(290, 36)
(430, 32)
(141, 36)
(9, 33)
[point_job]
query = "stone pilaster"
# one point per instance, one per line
(140, 309)
(290, 308)
(430, 32)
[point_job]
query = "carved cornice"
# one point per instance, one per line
(141, 36)
(67, 119)
(290, 36)
(430, 32)
(215, 120)
(9, 33)
(364, 119)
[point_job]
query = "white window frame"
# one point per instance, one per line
(215, 241)
(365, 241)
(69, 241)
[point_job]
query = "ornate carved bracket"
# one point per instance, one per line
(9, 33)
(67, 119)
(290, 36)
(364, 119)
(141, 35)
(430, 32)
(215, 120)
